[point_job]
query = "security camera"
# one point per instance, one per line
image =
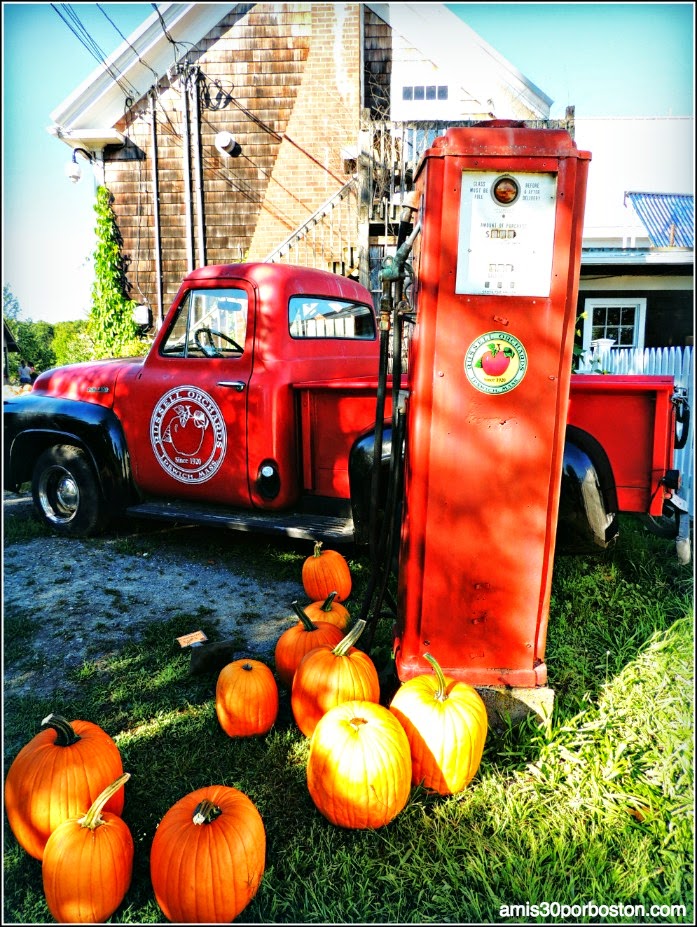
(226, 145)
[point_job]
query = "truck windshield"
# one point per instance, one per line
(208, 323)
(318, 317)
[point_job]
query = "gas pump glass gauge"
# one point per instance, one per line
(505, 240)
(505, 190)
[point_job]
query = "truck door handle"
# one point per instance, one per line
(237, 385)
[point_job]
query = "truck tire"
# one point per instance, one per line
(66, 493)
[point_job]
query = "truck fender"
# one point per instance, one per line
(34, 422)
(588, 497)
(360, 478)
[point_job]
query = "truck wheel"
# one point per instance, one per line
(66, 493)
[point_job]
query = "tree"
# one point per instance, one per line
(34, 339)
(71, 343)
(110, 325)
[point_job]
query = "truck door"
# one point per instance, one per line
(185, 414)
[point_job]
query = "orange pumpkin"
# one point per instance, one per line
(330, 611)
(326, 677)
(208, 856)
(359, 768)
(88, 863)
(246, 698)
(58, 774)
(300, 639)
(446, 724)
(326, 571)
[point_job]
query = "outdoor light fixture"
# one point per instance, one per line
(73, 170)
(227, 145)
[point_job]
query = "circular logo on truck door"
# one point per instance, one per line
(188, 434)
(495, 363)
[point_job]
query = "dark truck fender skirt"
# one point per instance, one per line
(34, 422)
(588, 499)
(361, 475)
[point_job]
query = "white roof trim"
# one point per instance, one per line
(438, 33)
(93, 109)
(98, 103)
(635, 257)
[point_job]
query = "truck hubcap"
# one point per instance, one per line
(59, 495)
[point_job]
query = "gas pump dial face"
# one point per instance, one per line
(506, 233)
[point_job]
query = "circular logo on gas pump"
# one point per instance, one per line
(495, 363)
(188, 434)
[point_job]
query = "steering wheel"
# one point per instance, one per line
(210, 349)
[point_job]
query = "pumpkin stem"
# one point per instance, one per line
(304, 617)
(441, 694)
(93, 819)
(327, 606)
(318, 549)
(65, 733)
(344, 645)
(206, 812)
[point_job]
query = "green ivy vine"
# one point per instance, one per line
(111, 325)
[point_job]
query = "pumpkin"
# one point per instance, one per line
(330, 611)
(325, 677)
(246, 698)
(58, 774)
(88, 863)
(303, 637)
(359, 767)
(208, 856)
(446, 724)
(326, 571)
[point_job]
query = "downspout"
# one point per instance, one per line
(198, 168)
(156, 211)
(186, 170)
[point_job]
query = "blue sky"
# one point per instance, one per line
(607, 59)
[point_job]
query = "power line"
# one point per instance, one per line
(142, 61)
(72, 21)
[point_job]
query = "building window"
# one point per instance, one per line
(622, 321)
(429, 92)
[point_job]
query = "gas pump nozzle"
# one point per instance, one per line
(393, 267)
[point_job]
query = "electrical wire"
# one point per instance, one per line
(72, 21)
(142, 61)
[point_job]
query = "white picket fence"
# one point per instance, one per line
(675, 362)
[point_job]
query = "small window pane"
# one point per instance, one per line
(442, 93)
(418, 93)
(431, 92)
(407, 93)
(315, 317)
(209, 323)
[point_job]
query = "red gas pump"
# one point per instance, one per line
(496, 278)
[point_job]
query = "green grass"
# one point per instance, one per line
(596, 808)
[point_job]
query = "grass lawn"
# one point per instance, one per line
(594, 810)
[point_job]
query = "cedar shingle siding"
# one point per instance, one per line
(284, 80)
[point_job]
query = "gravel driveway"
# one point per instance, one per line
(66, 600)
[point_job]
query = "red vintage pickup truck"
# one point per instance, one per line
(255, 409)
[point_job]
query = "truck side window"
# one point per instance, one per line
(318, 317)
(208, 323)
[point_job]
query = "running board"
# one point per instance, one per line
(306, 527)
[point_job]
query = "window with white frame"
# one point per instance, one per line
(620, 320)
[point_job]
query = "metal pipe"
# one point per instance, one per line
(198, 168)
(186, 170)
(156, 212)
